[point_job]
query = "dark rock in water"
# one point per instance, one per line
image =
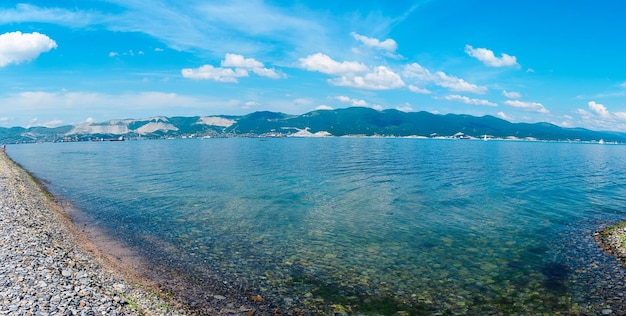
(556, 274)
(515, 265)
(539, 250)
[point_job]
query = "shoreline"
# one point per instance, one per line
(612, 239)
(49, 266)
(137, 285)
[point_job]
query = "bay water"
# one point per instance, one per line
(356, 225)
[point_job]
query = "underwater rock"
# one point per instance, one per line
(556, 274)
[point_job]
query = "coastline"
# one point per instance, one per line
(612, 239)
(48, 266)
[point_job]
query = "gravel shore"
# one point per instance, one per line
(612, 239)
(48, 267)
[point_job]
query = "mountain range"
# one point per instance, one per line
(357, 121)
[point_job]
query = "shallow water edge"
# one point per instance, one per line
(50, 266)
(192, 296)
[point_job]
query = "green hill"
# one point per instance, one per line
(341, 122)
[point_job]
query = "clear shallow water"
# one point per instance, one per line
(358, 225)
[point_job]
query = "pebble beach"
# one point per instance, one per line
(47, 267)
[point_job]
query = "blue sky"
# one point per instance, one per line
(75, 61)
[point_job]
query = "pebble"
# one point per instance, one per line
(39, 257)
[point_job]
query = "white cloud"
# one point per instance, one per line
(353, 74)
(343, 98)
(324, 64)
(158, 49)
(419, 90)
(53, 123)
(511, 94)
(602, 111)
(488, 58)
(30, 13)
(208, 72)
(352, 102)
(251, 104)
(503, 116)
(303, 102)
(600, 118)
(127, 53)
(407, 107)
(456, 84)
(598, 109)
(240, 67)
(238, 61)
(441, 79)
(416, 70)
(381, 78)
(17, 47)
(357, 102)
(528, 106)
(197, 26)
(388, 44)
(4, 120)
(620, 115)
(269, 73)
(233, 20)
(323, 107)
(466, 100)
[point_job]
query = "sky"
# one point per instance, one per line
(74, 61)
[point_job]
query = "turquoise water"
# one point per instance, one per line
(357, 225)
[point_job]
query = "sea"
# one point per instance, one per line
(372, 226)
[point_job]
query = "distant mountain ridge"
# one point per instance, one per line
(341, 122)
